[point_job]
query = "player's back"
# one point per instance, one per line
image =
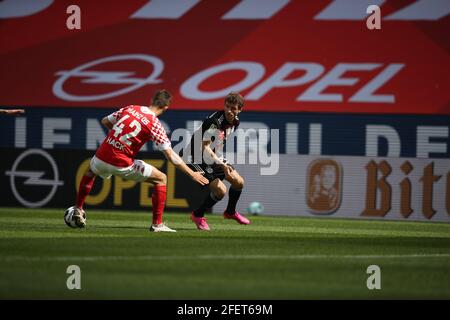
(133, 126)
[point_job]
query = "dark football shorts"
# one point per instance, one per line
(211, 171)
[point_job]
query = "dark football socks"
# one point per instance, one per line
(209, 202)
(233, 198)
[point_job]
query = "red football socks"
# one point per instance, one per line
(158, 202)
(84, 189)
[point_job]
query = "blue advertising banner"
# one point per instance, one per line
(298, 133)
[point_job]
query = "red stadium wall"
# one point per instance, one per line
(282, 55)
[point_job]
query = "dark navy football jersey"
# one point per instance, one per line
(215, 126)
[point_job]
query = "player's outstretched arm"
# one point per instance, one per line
(12, 112)
(179, 163)
(210, 155)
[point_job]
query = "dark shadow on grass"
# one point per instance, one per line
(205, 242)
(186, 229)
(122, 227)
(140, 228)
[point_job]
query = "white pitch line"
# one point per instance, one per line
(225, 257)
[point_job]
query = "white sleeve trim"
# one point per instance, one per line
(112, 119)
(162, 147)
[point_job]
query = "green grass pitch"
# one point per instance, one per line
(273, 258)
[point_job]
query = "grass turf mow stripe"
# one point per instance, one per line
(225, 257)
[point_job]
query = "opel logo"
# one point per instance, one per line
(108, 77)
(34, 178)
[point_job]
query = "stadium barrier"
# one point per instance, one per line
(328, 164)
(37, 178)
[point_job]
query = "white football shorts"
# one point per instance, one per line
(139, 171)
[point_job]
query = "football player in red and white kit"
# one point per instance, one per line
(130, 128)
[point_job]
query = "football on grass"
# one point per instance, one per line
(255, 208)
(74, 217)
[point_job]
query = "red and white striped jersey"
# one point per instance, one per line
(133, 126)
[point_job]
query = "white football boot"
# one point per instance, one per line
(161, 228)
(80, 217)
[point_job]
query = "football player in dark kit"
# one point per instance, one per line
(214, 132)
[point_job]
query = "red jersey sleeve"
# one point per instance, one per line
(159, 136)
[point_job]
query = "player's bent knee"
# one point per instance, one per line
(157, 178)
(163, 179)
(220, 194)
(220, 191)
(238, 183)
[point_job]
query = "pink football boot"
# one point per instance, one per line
(200, 222)
(236, 216)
